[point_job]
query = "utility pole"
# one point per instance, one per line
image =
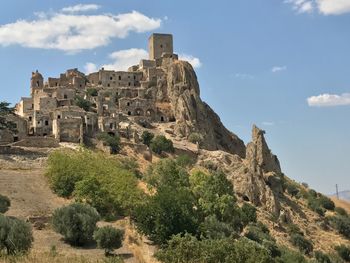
(336, 188)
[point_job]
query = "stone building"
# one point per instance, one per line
(110, 97)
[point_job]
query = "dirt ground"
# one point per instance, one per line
(31, 196)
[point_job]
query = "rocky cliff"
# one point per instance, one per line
(180, 87)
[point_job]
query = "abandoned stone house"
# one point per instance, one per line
(113, 97)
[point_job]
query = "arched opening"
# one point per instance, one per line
(139, 112)
(129, 113)
(162, 119)
(111, 134)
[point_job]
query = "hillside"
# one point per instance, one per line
(343, 195)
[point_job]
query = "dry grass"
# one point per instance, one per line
(342, 204)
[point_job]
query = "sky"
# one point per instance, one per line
(283, 65)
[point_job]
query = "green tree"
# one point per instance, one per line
(112, 141)
(5, 110)
(147, 137)
(301, 243)
(248, 213)
(161, 144)
(82, 103)
(344, 252)
(76, 222)
(92, 92)
(322, 257)
(168, 212)
(5, 203)
(15, 235)
(195, 137)
(109, 238)
(166, 173)
(290, 256)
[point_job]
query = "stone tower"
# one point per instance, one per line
(36, 82)
(159, 44)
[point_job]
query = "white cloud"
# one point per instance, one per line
(302, 6)
(90, 67)
(268, 123)
(80, 8)
(195, 62)
(329, 100)
(243, 76)
(123, 59)
(325, 7)
(72, 33)
(276, 69)
(333, 7)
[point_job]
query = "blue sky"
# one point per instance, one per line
(283, 65)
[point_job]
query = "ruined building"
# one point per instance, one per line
(110, 98)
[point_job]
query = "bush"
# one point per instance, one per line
(5, 203)
(185, 160)
(161, 144)
(292, 189)
(109, 238)
(168, 212)
(322, 257)
(15, 235)
(195, 137)
(147, 137)
(258, 233)
(342, 224)
(290, 256)
(76, 222)
(112, 141)
(188, 249)
(341, 211)
(344, 252)
(82, 103)
(92, 92)
(301, 243)
(326, 203)
(103, 181)
(248, 214)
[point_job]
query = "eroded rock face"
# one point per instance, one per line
(194, 115)
(255, 178)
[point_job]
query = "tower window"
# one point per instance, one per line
(65, 96)
(46, 123)
(161, 46)
(120, 77)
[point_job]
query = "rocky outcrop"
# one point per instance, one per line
(255, 178)
(192, 114)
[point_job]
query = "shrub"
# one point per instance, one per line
(195, 137)
(161, 144)
(111, 140)
(82, 103)
(342, 224)
(326, 202)
(292, 189)
(100, 180)
(15, 235)
(109, 238)
(5, 203)
(341, 211)
(344, 252)
(185, 160)
(258, 233)
(168, 212)
(147, 137)
(248, 213)
(290, 256)
(188, 249)
(92, 92)
(301, 243)
(322, 257)
(76, 222)
(167, 173)
(212, 228)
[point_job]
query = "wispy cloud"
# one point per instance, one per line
(301, 6)
(276, 69)
(329, 100)
(268, 123)
(194, 61)
(325, 7)
(243, 76)
(123, 59)
(80, 8)
(73, 33)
